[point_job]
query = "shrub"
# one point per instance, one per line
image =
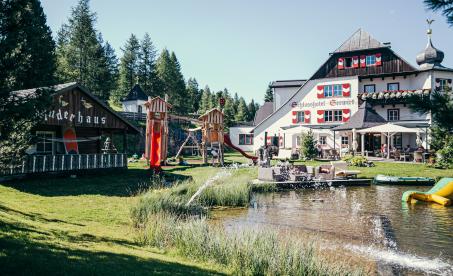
(445, 155)
(359, 161)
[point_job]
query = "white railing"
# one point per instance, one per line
(65, 162)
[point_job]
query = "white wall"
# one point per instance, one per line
(282, 95)
(411, 82)
(132, 106)
(234, 136)
(306, 99)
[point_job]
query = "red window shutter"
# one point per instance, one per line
(340, 63)
(355, 62)
(320, 91)
(362, 61)
(346, 115)
(307, 116)
(294, 120)
(346, 90)
(378, 59)
(320, 116)
(294, 112)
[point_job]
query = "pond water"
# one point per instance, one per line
(367, 221)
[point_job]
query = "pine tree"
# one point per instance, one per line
(269, 96)
(80, 52)
(147, 75)
(194, 95)
(236, 102)
(111, 78)
(129, 68)
(228, 111)
(242, 111)
(251, 111)
(205, 102)
(27, 49)
(27, 60)
(445, 6)
(179, 93)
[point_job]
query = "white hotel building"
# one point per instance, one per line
(362, 84)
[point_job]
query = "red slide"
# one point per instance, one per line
(226, 140)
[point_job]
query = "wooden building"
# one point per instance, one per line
(75, 134)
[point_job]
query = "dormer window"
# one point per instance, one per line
(370, 60)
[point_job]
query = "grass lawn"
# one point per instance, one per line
(393, 169)
(82, 226)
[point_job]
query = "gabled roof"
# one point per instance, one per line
(136, 93)
(263, 112)
(360, 40)
(287, 83)
(365, 117)
(61, 88)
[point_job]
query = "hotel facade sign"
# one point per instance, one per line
(324, 103)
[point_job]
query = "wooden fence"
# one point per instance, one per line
(134, 116)
(65, 163)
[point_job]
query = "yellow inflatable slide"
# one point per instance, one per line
(441, 193)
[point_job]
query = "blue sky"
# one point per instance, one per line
(243, 45)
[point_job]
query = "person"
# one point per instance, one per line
(319, 149)
(215, 156)
(420, 148)
(407, 148)
(384, 149)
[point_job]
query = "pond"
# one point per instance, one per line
(370, 222)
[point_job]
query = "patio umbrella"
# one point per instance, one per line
(389, 130)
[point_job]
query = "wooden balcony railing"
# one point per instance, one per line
(65, 163)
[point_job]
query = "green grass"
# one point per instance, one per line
(82, 226)
(249, 252)
(394, 169)
(232, 189)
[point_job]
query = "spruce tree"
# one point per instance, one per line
(205, 102)
(242, 111)
(251, 111)
(80, 52)
(308, 145)
(129, 68)
(228, 111)
(194, 95)
(27, 50)
(269, 96)
(179, 93)
(27, 60)
(147, 75)
(236, 102)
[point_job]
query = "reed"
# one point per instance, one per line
(247, 252)
(232, 191)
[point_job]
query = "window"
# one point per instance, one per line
(338, 115)
(369, 88)
(345, 140)
(140, 109)
(298, 141)
(443, 84)
(328, 91)
(44, 143)
(333, 115)
(370, 60)
(337, 90)
(322, 140)
(300, 116)
(328, 116)
(347, 62)
(398, 140)
(393, 86)
(245, 139)
(393, 115)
